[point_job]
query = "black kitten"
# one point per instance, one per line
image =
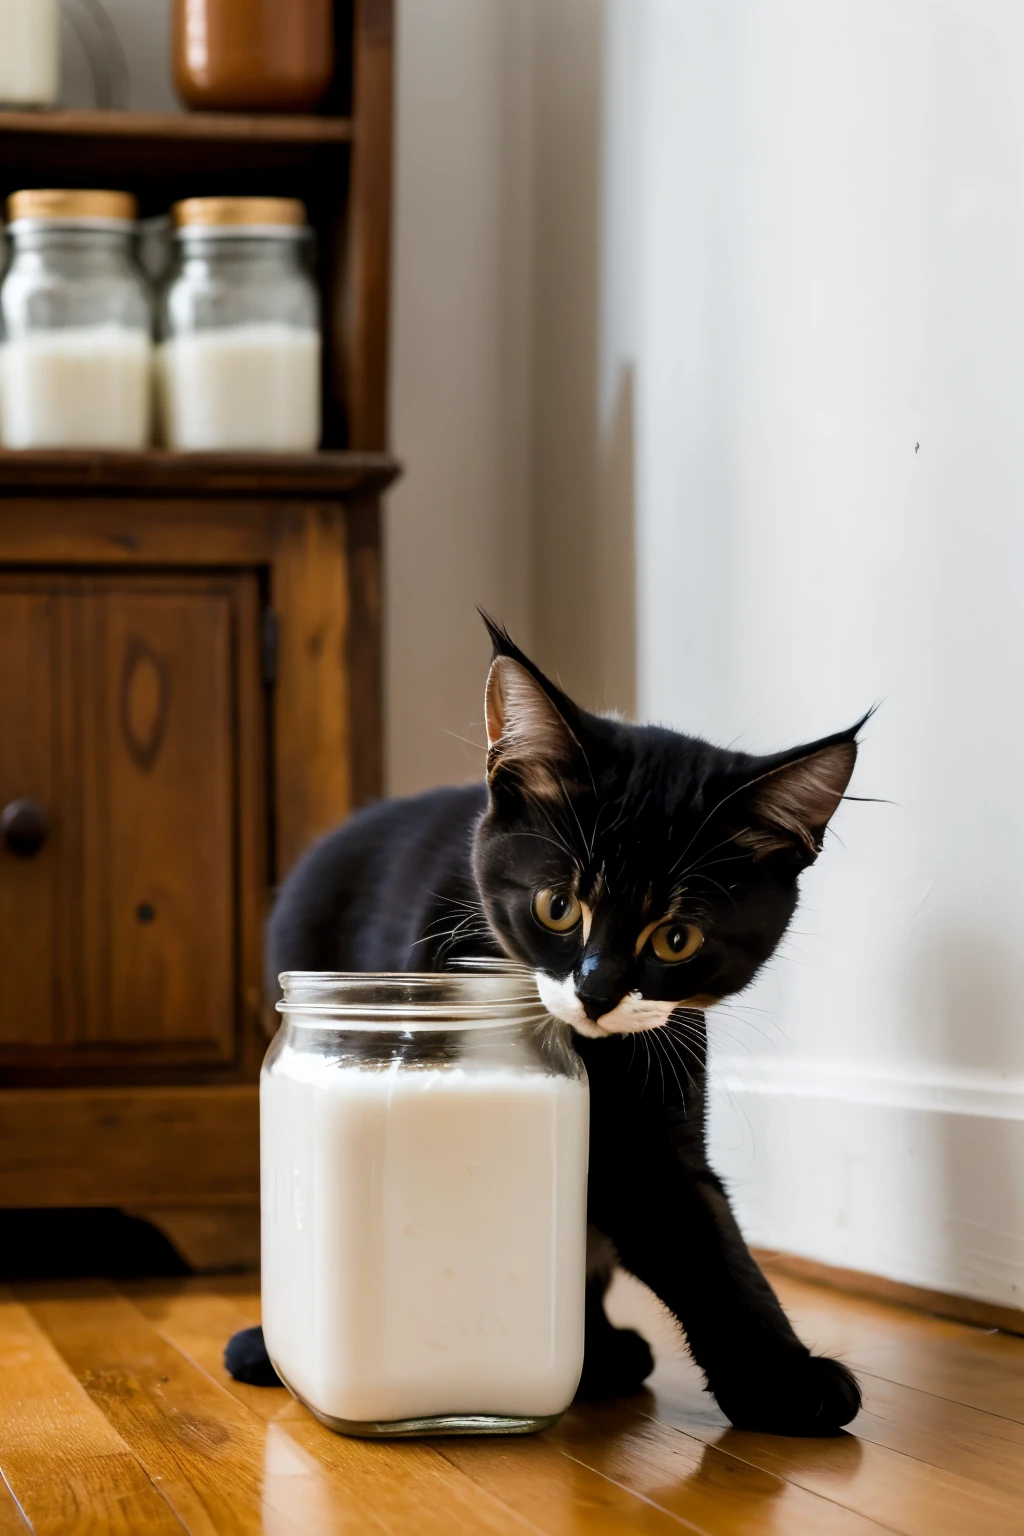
(644, 876)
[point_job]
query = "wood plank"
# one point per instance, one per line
(32, 753)
(201, 1448)
(856, 1282)
(121, 531)
(409, 1485)
(62, 1461)
(158, 472)
(159, 915)
(880, 1478)
(193, 127)
(12, 1520)
(948, 1435)
(129, 1146)
(365, 658)
(600, 1469)
(361, 319)
(968, 1365)
(312, 719)
(700, 1484)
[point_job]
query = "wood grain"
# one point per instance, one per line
(360, 322)
(191, 127)
(407, 1486)
(31, 765)
(136, 1372)
(981, 1369)
(157, 472)
(876, 1476)
(312, 718)
(202, 1450)
(129, 1146)
(855, 1282)
(62, 1460)
(159, 757)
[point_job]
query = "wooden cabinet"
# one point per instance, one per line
(189, 684)
(189, 695)
(120, 936)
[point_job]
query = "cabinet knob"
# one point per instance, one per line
(24, 827)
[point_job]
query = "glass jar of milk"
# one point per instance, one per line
(75, 324)
(239, 354)
(29, 52)
(424, 1172)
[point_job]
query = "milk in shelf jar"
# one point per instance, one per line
(239, 353)
(424, 1172)
(75, 324)
(29, 52)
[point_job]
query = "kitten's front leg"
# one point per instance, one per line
(762, 1376)
(652, 1192)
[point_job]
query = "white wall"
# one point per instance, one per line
(707, 377)
(459, 525)
(830, 378)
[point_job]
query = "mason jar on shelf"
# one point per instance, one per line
(239, 332)
(424, 1193)
(75, 324)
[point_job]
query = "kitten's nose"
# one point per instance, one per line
(600, 984)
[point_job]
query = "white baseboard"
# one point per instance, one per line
(910, 1173)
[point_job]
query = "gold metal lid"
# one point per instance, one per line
(231, 212)
(38, 203)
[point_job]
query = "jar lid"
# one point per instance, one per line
(239, 213)
(65, 205)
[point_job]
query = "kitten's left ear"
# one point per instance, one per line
(788, 807)
(530, 745)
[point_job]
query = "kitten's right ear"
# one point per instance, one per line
(530, 745)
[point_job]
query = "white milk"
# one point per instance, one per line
(29, 52)
(82, 387)
(424, 1237)
(242, 386)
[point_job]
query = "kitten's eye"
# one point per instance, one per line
(676, 941)
(557, 910)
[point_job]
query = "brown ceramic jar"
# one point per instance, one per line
(253, 55)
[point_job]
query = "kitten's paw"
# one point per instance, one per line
(796, 1393)
(616, 1363)
(246, 1359)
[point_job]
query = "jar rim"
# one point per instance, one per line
(82, 224)
(475, 994)
(287, 234)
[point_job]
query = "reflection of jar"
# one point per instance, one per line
(75, 359)
(29, 53)
(424, 1190)
(239, 357)
(253, 55)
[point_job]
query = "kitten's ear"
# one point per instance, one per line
(529, 742)
(787, 808)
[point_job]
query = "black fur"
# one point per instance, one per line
(637, 822)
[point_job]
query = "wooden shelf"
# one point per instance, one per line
(209, 127)
(162, 156)
(154, 472)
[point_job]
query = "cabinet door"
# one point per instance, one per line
(31, 741)
(135, 907)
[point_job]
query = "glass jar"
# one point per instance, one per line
(30, 53)
(239, 353)
(75, 324)
(424, 1172)
(274, 56)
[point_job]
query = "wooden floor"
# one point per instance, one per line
(116, 1415)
